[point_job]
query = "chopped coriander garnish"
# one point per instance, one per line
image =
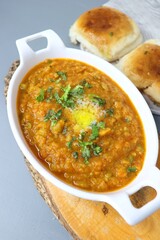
(49, 90)
(86, 84)
(84, 144)
(51, 80)
(40, 97)
(96, 149)
(69, 96)
(96, 99)
(65, 99)
(86, 153)
(48, 115)
(77, 91)
(62, 100)
(62, 75)
(131, 169)
(87, 148)
(66, 90)
(127, 119)
(70, 103)
(82, 135)
(50, 95)
(64, 132)
(53, 116)
(69, 144)
(95, 130)
(75, 155)
(57, 97)
(65, 103)
(101, 125)
(58, 80)
(86, 161)
(110, 111)
(45, 95)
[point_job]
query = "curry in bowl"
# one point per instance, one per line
(81, 125)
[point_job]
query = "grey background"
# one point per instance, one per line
(23, 212)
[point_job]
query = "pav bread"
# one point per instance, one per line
(106, 32)
(142, 67)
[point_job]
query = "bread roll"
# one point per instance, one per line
(106, 32)
(142, 67)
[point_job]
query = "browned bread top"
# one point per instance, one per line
(106, 32)
(104, 25)
(142, 67)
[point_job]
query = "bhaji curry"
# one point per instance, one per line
(81, 125)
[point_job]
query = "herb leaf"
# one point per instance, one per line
(101, 125)
(75, 155)
(57, 97)
(96, 99)
(86, 84)
(86, 154)
(82, 135)
(131, 169)
(110, 111)
(49, 114)
(62, 75)
(77, 91)
(86, 147)
(95, 129)
(51, 80)
(49, 89)
(85, 150)
(127, 119)
(69, 144)
(40, 97)
(95, 132)
(68, 97)
(96, 149)
(49, 94)
(53, 116)
(66, 93)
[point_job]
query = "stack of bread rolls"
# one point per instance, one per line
(114, 36)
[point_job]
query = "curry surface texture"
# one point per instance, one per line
(81, 125)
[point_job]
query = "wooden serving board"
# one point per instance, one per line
(90, 220)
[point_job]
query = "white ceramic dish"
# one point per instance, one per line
(149, 175)
(153, 106)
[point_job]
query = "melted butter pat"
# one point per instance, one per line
(84, 116)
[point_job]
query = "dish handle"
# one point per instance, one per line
(121, 201)
(54, 45)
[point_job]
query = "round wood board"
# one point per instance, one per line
(90, 220)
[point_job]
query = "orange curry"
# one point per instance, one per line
(81, 125)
